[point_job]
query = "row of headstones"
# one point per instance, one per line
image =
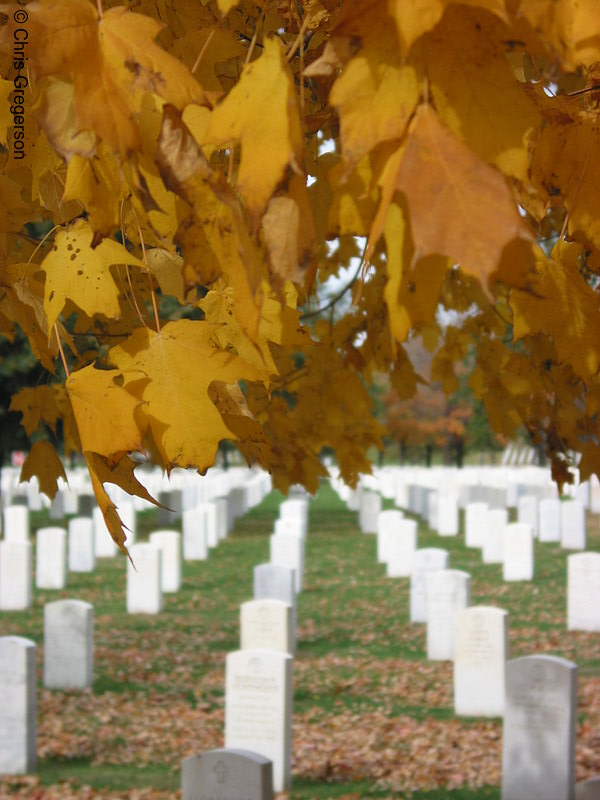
(258, 681)
(158, 562)
(536, 695)
(68, 644)
(510, 544)
(397, 549)
(181, 489)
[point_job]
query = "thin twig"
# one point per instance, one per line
(42, 242)
(145, 260)
(203, 50)
(62, 353)
(335, 299)
(99, 7)
(135, 303)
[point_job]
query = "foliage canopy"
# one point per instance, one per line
(174, 153)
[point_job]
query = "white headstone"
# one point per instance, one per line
(518, 552)
(169, 544)
(387, 526)
(258, 708)
(448, 591)
(266, 625)
(82, 557)
(291, 525)
(104, 544)
(572, 525)
(51, 558)
(480, 653)
(493, 539)
(370, 508)
(15, 575)
(144, 589)
(222, 512)
(295, 508)
(527, 512)
(68, 644)
(195, 544)
(583, 592)
(402, 548)
(447, 513)
(538, 751)
(428, 559)
(16, 524)
(275, 582)
(17, 705)
(475, 524)
(287, 550)
(549, 521)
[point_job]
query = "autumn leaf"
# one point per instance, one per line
(79, 273)
(470, 202)
(110, 62)
(261, 113)
(170, 372)
(561, 303)
(375, 80)
(37, 404)
(104, 412)
(43, 462)
(468, 71)
(413, 289)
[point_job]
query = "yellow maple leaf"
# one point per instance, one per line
(412, 291)
(77, 272)
(104, 412)
(97, 183)
(459, 206)
(289, 231)
(373, 82)
(43, 462)
(111, 60)
(37, 404)
(566, 162)
(468, 72)
(261, 113)
(171, 372)
(562, 304)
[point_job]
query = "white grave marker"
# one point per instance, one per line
(480, 652)
(15, 576)
(144, 583)
(68, 644)
(428, 559)
(583, 592)
(572, 525)
(51, 558)
(266, 625)
(538, 753)
(448, 591)
(518, 552)
(169, 544)
(17, 705)
(258, 708)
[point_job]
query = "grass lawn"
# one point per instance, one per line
(372, 717)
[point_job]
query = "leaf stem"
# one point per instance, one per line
(145, 260)
(61, 351)
(203, 50)
(135, 303)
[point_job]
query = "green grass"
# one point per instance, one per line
(358, 656)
